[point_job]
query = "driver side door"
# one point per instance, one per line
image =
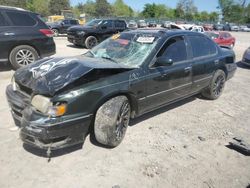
(172, 81)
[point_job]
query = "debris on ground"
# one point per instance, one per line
(240, 145)
(201, 138)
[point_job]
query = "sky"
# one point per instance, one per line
(203, 5)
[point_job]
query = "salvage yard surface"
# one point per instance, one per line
(182, 145)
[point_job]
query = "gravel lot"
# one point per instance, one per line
(182, 145)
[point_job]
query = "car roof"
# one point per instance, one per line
(161, 32)
(12, 8)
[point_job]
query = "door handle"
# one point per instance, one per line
(9, 34)
(187, 69)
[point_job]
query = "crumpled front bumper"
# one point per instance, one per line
(41, 131)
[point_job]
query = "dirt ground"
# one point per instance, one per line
(183, 145)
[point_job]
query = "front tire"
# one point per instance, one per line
(22, 55)
(216, 86)
(111, 121)
(90, 42)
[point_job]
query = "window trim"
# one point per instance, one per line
(189, 57)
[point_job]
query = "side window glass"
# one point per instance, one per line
(73, 22)
(66, 22)
(108, 23)
(202, 46)
(119, 24)
(174, 49)
(21, 19)
(3, 22)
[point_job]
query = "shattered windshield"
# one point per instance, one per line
(128, 49)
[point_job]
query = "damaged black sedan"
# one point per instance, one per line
(55, 100)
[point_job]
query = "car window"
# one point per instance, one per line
(65, 21)
(175, 49)
(3, 22)
(20, 19)
(73, 22)
(108, 23)
(202, 46)
(119, 24)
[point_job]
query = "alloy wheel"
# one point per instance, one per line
(122, 120)
(218, 85)
(24, 57)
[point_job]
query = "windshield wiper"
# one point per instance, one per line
(109, 58)
(92, 53)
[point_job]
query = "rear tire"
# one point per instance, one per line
(216, 86)
(111, 121)
(22, 55)
(90, 42)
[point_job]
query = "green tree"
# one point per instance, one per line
(102, 8)
(14, 3)
(121, 9)
(55, 6)
(186, 9)
(40, 6)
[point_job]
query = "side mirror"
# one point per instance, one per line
(163, 61)
(62, 24)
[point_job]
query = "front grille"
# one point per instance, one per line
(25, 90)
(246, 60)
(73, 33)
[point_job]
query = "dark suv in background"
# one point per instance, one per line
(95, 31)
(61, 27)
(24, 37)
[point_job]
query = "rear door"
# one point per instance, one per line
(4, 37)
(106, 29)
(205, 59)
(168, 83)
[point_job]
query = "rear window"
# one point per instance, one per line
(21, 19)
(73, 22)
(202, 46)
(3, 22)
(120, 24)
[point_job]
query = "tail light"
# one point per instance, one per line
(47, 32)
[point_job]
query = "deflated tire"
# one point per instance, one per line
(112, 120)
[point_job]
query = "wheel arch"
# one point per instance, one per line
(130, 96)
(22, 44)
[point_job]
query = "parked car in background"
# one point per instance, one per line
(142, 24)
(152, 24)
(123, 77)
(166, 24)
(24, 37)
(132, 24)
(227, 27)
(208, 27)
(218, 27)
(95, 31)
(244, 28)
(246, 57)
(61, 26)
(235, 28)
(197, 28)
(222, 38)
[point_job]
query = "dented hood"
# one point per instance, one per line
(49, 75)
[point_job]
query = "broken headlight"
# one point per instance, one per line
(44, 105)
(14, 84)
